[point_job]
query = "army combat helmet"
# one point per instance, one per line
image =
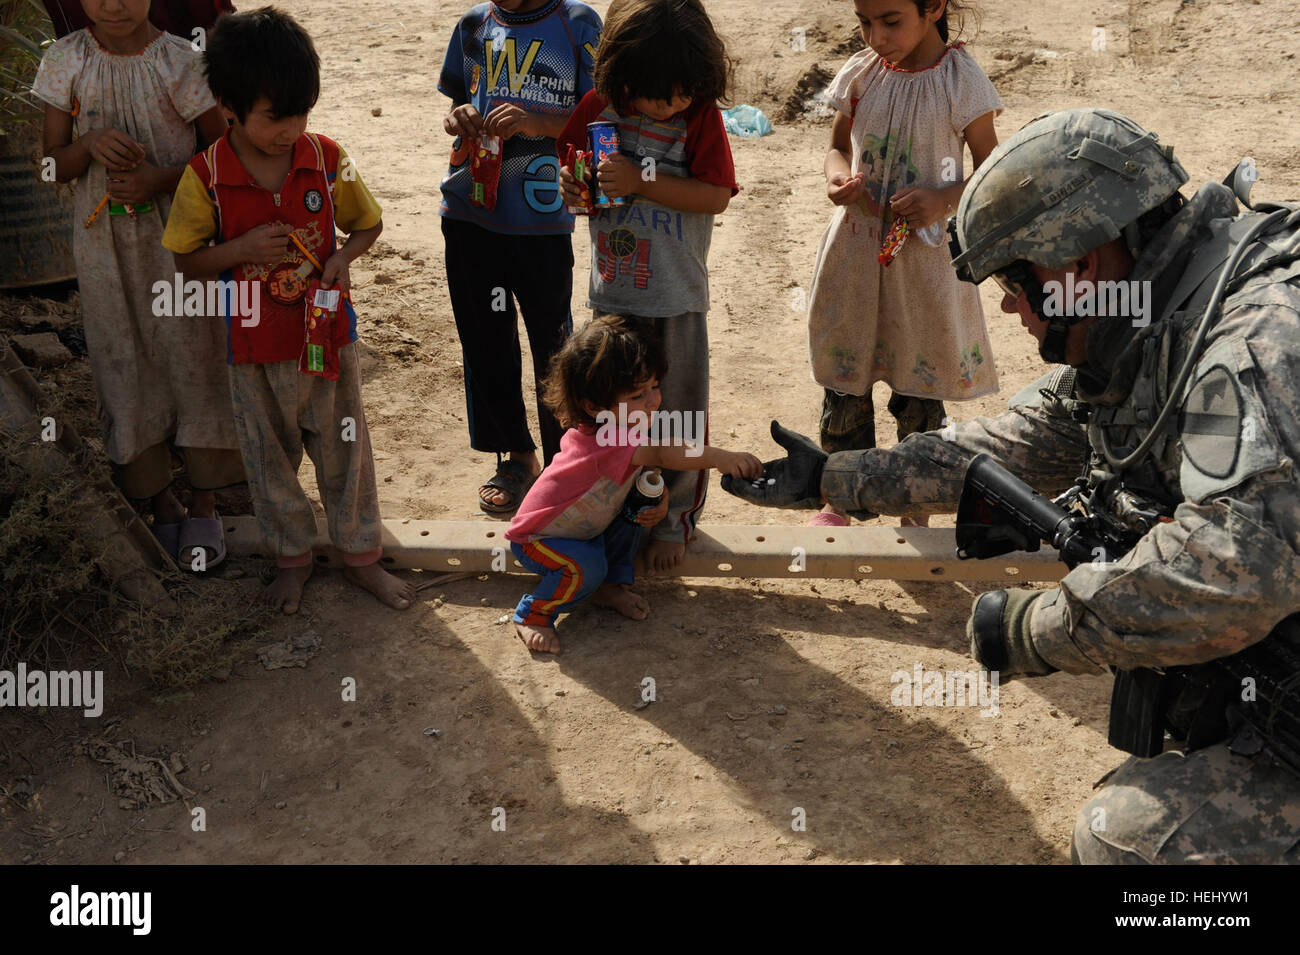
(1066, 183)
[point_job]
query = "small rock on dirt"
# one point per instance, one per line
(57, 319)
(293, 652)
(377, 111)
(281, 804)
(119, 855)
(41, 350)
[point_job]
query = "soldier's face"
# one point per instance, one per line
(1076, 342)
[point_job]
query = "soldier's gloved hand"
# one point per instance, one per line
(797, 477)
(999, 633)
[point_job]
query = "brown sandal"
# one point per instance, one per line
(515, 479)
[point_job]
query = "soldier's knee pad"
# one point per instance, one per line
(1205, 806)
(1100, 827)
(1087, 847)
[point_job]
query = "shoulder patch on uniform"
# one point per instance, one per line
(1212, 423)
(1226, 436)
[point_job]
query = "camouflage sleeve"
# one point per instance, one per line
(1226, 570)
(923, 474)
(1209, 583)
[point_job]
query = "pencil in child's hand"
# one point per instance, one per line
(98, 209)
(293, 237)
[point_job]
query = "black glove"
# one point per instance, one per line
(798, 477)
(999, 633)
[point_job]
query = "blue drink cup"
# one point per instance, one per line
(603, 140)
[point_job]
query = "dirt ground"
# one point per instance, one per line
(771, 695)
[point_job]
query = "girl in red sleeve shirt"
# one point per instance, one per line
(660, 70)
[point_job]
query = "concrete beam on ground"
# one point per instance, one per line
(721, 550)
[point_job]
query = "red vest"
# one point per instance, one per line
(306, 202)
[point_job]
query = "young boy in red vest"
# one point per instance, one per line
(262, 194)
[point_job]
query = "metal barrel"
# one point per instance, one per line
(36, 217)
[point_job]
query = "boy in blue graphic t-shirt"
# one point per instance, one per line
(514, 69)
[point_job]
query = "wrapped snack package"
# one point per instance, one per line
(578, 162)
(320, 352)
(893, 243)
(485, 170)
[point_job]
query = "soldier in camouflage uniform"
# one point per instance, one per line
(1089, 192)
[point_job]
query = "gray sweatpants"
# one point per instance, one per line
(685, 388)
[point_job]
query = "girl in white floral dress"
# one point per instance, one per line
(906, 107)
(123, 100)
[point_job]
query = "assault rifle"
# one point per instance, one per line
(1252, 696)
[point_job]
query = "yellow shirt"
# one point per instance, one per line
(192, 223)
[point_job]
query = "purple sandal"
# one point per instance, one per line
(205, 532)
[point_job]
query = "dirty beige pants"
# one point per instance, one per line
(279, 413)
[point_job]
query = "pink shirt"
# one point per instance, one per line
(580, 492)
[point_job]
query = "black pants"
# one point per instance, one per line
(487, 272)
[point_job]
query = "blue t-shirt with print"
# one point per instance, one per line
(541, 61)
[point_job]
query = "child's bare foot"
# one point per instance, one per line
(285, 591)
(623, 598)
(398, 594)
(540, 639)
(664, 556)
(922, 521)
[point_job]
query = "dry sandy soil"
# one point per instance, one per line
(286, 771)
